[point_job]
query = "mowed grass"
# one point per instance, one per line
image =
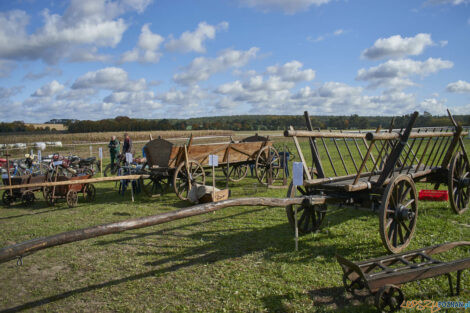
(238, 259)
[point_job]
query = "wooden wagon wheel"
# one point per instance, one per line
(389, 298)
(459, 174)
(28, 197)
(236, 172)
(398, 213)
(309, 218)
(89, 193)
(50, 198)
(182, 183)
(155, 186)
(72, 198)
(6, 198)
(356, 287)
(267, 159)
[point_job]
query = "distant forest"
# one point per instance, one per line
(241, 122)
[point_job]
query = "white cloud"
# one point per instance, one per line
(319, 38)
(338, 32)
(395, 74)
(6, 93)
(202, 68)
(443, 43)
(47, 71)
(459, 86)
(6, 67)
(194, 41)
(432, 105)
(49, 90)
(147, 47)
(88, 55)
(286, 6)
(85, 24)
(397, 46)
(452, 2)
(111, 78)
(292, 71)
(142, 99)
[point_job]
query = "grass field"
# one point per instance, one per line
(238, 259)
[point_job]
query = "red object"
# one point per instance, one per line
(433, 195)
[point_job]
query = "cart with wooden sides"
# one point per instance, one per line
(379, 170)
(26, 194)
(183, 166)
(382, 277)
(70, 192)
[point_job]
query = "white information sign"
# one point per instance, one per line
(298, 173)
(129, 157)
(213, 160)
(100, 152)
(39, 156)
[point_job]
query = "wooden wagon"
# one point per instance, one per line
(183, 166)
(70, 192)
(379, 170)
(26, 194)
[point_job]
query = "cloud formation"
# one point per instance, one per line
(147, 47)
(286, 6)
(110, 78)
(49, 90)
(459, 86)
(194, 41)
(397, 46)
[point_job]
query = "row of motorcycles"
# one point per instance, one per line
(66, 165)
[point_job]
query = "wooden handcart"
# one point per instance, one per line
(25, 195)
(70, 192)
(183, 166)
(379, 170)
(382, 277)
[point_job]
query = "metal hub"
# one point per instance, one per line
(403, 214)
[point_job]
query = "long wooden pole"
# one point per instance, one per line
(28, 247)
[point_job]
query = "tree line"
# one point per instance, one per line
(241, 122)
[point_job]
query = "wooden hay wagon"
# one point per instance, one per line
(379, 170)
(26, 195)
(183, 166)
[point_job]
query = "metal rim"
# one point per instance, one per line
(50, 197)
(389, 298)
(89, 193)
(459, 194)
(182, 183)
(72, 198)
(398, 213)
(236, 172)
(309, 218)
(264, 164)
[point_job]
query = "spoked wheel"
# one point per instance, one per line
(389, 298)
(28, 197)
(458, 181)
(398, 213)
(182, 183)
(267, 160)
(236, 172)
(6, 198)
(356, 287)
(155, 186)
(50, 198)
(110, 171)
(309, 218)
(89, 193)
(72, 198)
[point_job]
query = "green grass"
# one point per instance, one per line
(239, 259)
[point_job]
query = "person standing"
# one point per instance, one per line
(127, 146)
(114, 147)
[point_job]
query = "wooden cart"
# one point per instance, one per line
(70, 192)
(379, 170)
(26, 195)
(184, 165)
(382, 277)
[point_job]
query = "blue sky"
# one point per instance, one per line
(93, 59)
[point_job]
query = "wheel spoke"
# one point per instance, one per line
(389, 222)
(407, 229)
(409, 203)
(395, 237)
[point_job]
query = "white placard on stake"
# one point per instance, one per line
(100, 152)
(128, 157)
(213, 160)
(298, 173)
(39, 156)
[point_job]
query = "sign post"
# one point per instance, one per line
(213, 161)
(298, 180)
(100, 152)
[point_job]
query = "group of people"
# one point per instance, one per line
(115, 146)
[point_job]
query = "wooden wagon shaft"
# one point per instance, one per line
(30, 246)
(392, 136)
(320, 134)
(77, 181)
(314, 149)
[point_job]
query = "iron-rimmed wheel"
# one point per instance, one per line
(89, 193)
(356, 287)
(458, 181)
(28, 197)
(155, 186)
(182, 183)
(389, 298)
(72, 198)
(310, 217)
(267, 159)
(236, 172)
(110, 171)
(6, 198)
(398, 213)
(50, 199)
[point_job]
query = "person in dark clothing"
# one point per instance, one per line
(127, 146)
(114, 147)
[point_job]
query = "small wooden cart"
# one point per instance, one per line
(26, 195)
(182, 166)
(70, 192)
